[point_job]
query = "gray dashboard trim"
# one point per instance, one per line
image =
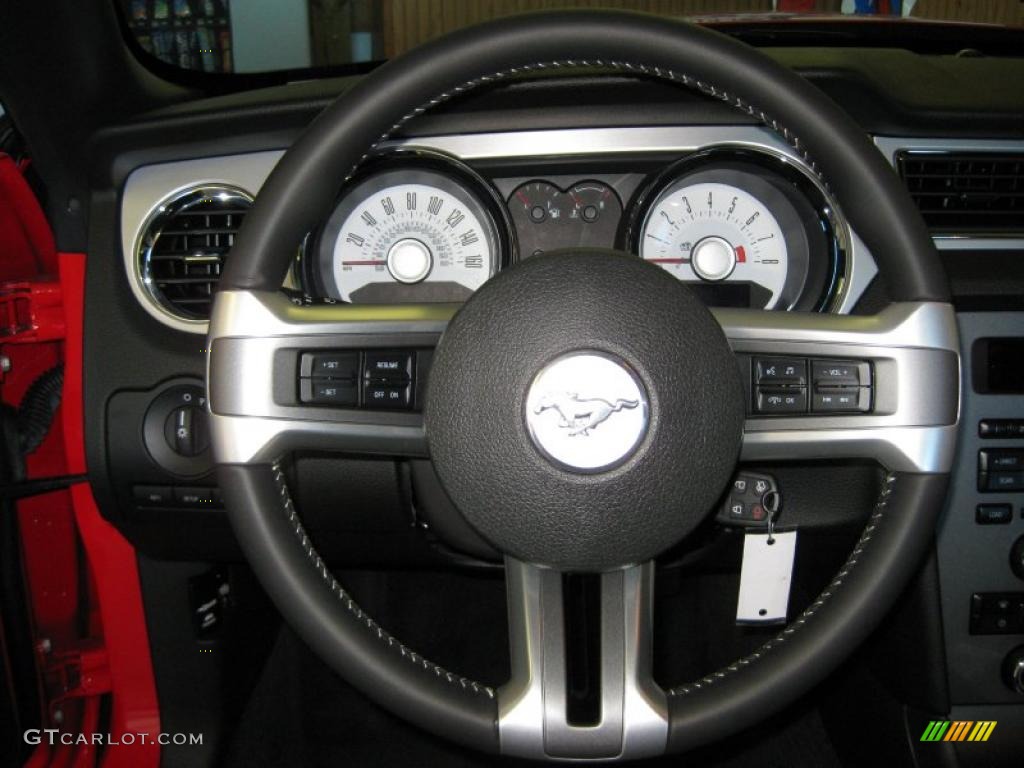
(975, 558)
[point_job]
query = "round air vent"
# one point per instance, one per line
(183, 246)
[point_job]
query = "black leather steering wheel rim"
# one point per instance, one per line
(297, 195)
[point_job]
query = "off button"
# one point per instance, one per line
(385, 396)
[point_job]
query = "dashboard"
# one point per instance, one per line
(735, 213)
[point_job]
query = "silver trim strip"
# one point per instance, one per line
(907, 325)
(890, 145)
(532, 705)
(964, 243)
(914, 349)
(147, 186)
(586, 141)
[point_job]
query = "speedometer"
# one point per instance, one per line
(408, 235)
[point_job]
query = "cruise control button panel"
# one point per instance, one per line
(796, 385)
(373, 379)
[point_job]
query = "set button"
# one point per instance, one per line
(329, 392)
(331, 365)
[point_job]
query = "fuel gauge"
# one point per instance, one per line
(547, 218)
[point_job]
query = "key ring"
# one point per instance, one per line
(770, 502)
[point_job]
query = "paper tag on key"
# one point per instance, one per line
(765, 578)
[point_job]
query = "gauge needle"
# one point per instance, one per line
(741, 255)
(669, 261)
(368, 263)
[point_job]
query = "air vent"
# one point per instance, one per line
(966, 193)
(183, 247)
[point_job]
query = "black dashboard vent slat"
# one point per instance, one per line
(184, 246)
(966, 192)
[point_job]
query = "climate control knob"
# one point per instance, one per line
(1013, 670)
(1017, 558)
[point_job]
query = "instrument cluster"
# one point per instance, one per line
(742, 227)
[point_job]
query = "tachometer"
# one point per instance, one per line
(744, 229)
(713, 231)
(408, 235)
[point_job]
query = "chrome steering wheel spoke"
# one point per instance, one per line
(533, 705)
(913, 349)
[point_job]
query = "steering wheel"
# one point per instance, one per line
(676, 393)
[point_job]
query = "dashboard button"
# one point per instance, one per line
(840, 399)
(188, 496)
(837, 373)
(330, 365)
(1000, 481)
(385, 396)
(389, 366)
(781, 371)
(329, 392)
(781, 400)
(153, 495)
(1000, 459)
(994, 429)
(993, 514)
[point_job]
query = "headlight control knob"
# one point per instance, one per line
(186, 432)
(176, 430)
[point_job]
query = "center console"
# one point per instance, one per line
(981, 537)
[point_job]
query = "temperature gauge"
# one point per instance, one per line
(547, 218)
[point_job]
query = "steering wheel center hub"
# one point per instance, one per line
(584, 410)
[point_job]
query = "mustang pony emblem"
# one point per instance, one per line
(581, 414)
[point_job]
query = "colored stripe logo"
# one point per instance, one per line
(958, 730)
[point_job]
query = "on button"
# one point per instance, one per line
(385, 396)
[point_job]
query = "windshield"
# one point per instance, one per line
(255, 36)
